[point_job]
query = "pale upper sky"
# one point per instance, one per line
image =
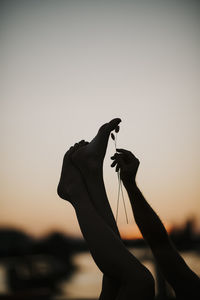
(69, 66)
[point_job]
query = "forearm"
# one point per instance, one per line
(184, 281)
(147, 220)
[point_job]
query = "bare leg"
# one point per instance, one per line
(89, 160)
(184, 281)
(111, 256)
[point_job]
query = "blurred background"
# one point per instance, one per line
(66, 68)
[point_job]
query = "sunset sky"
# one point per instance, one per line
(66, 67)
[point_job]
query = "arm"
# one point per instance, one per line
(171, 263)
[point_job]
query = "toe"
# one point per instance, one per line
(74, 148)
(82, 143)
(76, 145)
(113, 123)
(70, 150)
(68, 153)
(108, 127)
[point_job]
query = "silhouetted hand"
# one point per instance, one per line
(127, 164)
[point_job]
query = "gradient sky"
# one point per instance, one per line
(69, 66)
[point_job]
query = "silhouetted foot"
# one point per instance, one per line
(91, 155)
(71, 185)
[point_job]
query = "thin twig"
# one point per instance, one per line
(116, 142)
(118, 195)
(123, 201)
(119, 188)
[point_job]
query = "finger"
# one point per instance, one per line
(117, 168)
(117, 159)
(124, 151)
(113, 163)
(120, 162)
(114, 156)
(127, 153)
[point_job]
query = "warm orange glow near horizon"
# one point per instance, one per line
(68, 68)
(132, 232)
(128, 231)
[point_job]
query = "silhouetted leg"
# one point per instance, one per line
(89, 160)
(107, 249)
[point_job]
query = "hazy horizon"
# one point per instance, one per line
(69, 66)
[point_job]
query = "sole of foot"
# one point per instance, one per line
(71, 184)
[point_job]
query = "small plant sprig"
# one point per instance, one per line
(120, 188)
